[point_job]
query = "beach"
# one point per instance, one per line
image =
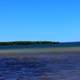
(38, 51)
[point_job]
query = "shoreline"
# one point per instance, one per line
(39, 50)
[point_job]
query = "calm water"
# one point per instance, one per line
(41, 67)
(41, 46)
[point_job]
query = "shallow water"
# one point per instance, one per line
(41, 67)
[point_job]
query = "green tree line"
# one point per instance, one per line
(28, 43)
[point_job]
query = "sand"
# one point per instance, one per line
(37, 51)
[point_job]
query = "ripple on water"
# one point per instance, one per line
(41, 68)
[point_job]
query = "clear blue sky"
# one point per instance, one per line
(57, 20)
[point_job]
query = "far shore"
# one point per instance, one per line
(32, 51)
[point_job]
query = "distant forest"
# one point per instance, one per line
(28, 43)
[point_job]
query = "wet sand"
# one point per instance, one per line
(39, 51)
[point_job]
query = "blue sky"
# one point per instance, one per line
(55, 20)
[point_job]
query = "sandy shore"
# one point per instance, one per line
(30, 51)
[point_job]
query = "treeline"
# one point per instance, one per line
(28, 43)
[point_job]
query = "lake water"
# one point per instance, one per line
(41, 46)
(63, 66)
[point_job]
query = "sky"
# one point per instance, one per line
(53, 20)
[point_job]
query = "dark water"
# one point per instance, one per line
(73, 44)
(41, 67)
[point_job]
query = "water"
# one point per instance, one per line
(63, 66)
(75, 44)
